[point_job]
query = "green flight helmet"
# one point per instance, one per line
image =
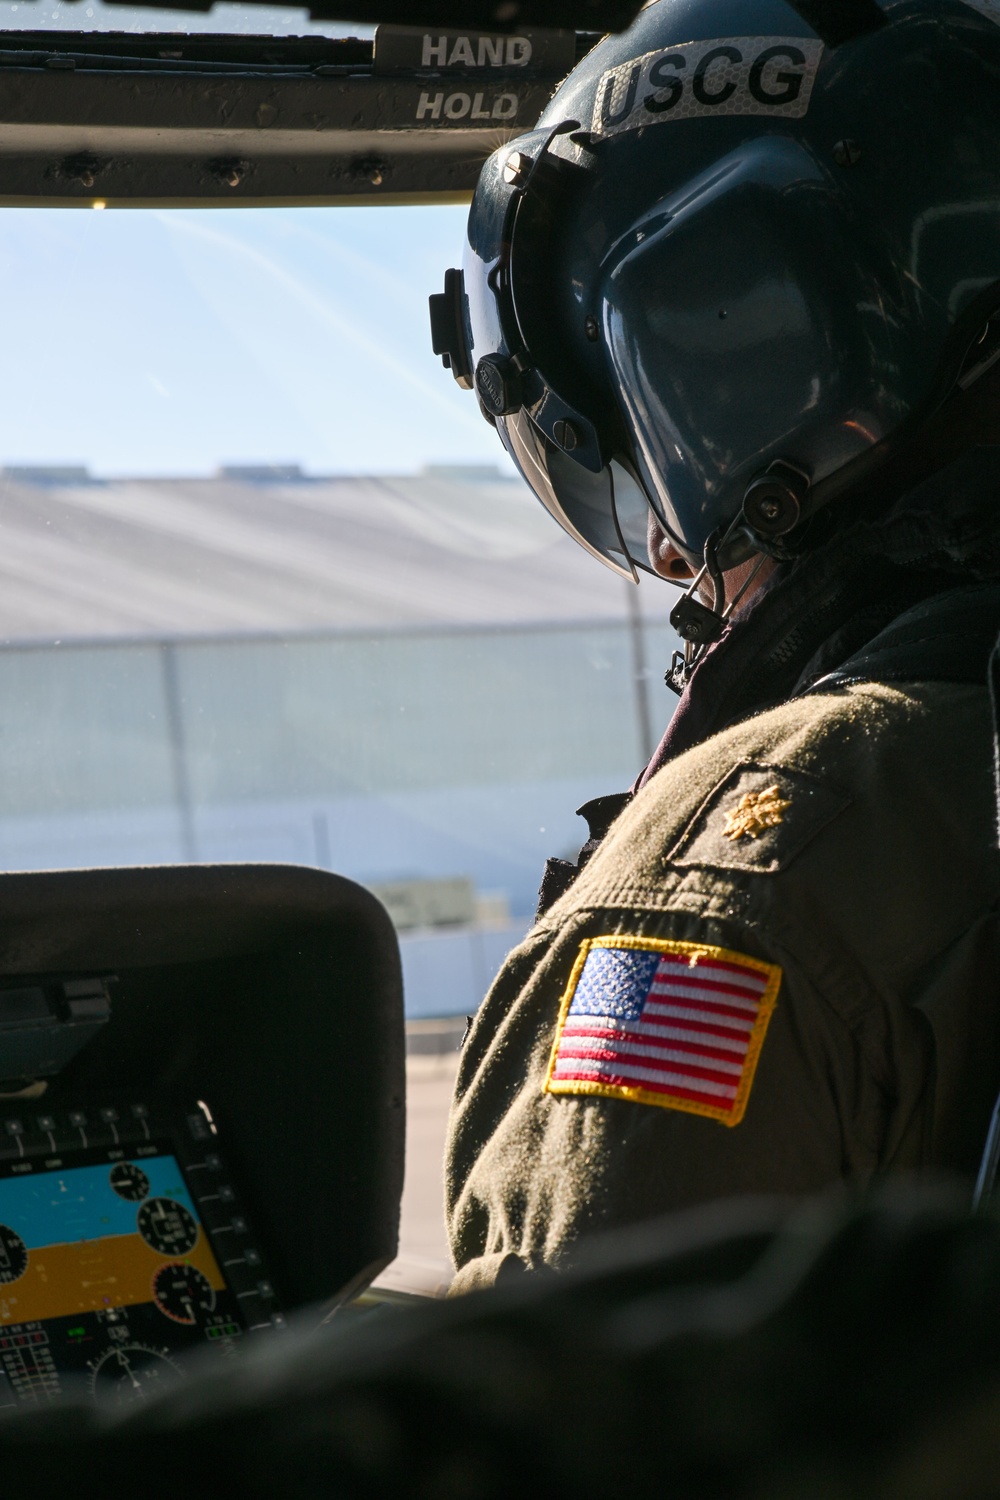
(749, 246)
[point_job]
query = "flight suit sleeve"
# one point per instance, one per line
(726, 1001)
(684, 1061)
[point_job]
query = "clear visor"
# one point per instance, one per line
(604, 509)
(607, 513)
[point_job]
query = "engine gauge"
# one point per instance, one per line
(130, 1372)
(181, 1292)
(167, 1227)
(129, 1181)
(13, 1255)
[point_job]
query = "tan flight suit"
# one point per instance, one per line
(843, 847)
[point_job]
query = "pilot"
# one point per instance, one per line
(733, 308)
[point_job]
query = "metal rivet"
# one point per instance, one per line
(847, 153)
(371, 169)
(83, 168)
(516, 168)
(229, 172)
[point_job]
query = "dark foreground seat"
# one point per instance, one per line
(830, 1351)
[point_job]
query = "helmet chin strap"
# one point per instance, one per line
(698, 624)
(714, 571)
(694, 621)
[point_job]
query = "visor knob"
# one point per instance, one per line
(772, 504)
(565, 435)
(498, 382)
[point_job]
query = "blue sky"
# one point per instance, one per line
(168, 342)
(146, 342)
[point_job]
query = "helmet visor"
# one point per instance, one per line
(606, 513)
(594, 497)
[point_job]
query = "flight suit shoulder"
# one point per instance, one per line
(863, 804)
(847, 836)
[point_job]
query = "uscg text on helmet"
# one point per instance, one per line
(743, 75)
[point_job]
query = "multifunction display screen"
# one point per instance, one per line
(109, 1273)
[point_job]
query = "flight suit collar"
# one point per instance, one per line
(822, 609)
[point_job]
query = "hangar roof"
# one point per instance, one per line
(272, 551)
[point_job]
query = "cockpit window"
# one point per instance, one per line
(221, 19)
(270, 589)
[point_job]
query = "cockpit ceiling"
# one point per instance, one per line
(118, 119)
(458, 15)
(114, 118)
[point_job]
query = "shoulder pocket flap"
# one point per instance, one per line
(757, 818)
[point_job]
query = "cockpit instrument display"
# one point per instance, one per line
(122, 1248)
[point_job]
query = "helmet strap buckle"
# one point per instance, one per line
(694, 621)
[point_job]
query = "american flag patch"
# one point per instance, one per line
(680, 1025)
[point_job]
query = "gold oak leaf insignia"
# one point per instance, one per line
(754, 812)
